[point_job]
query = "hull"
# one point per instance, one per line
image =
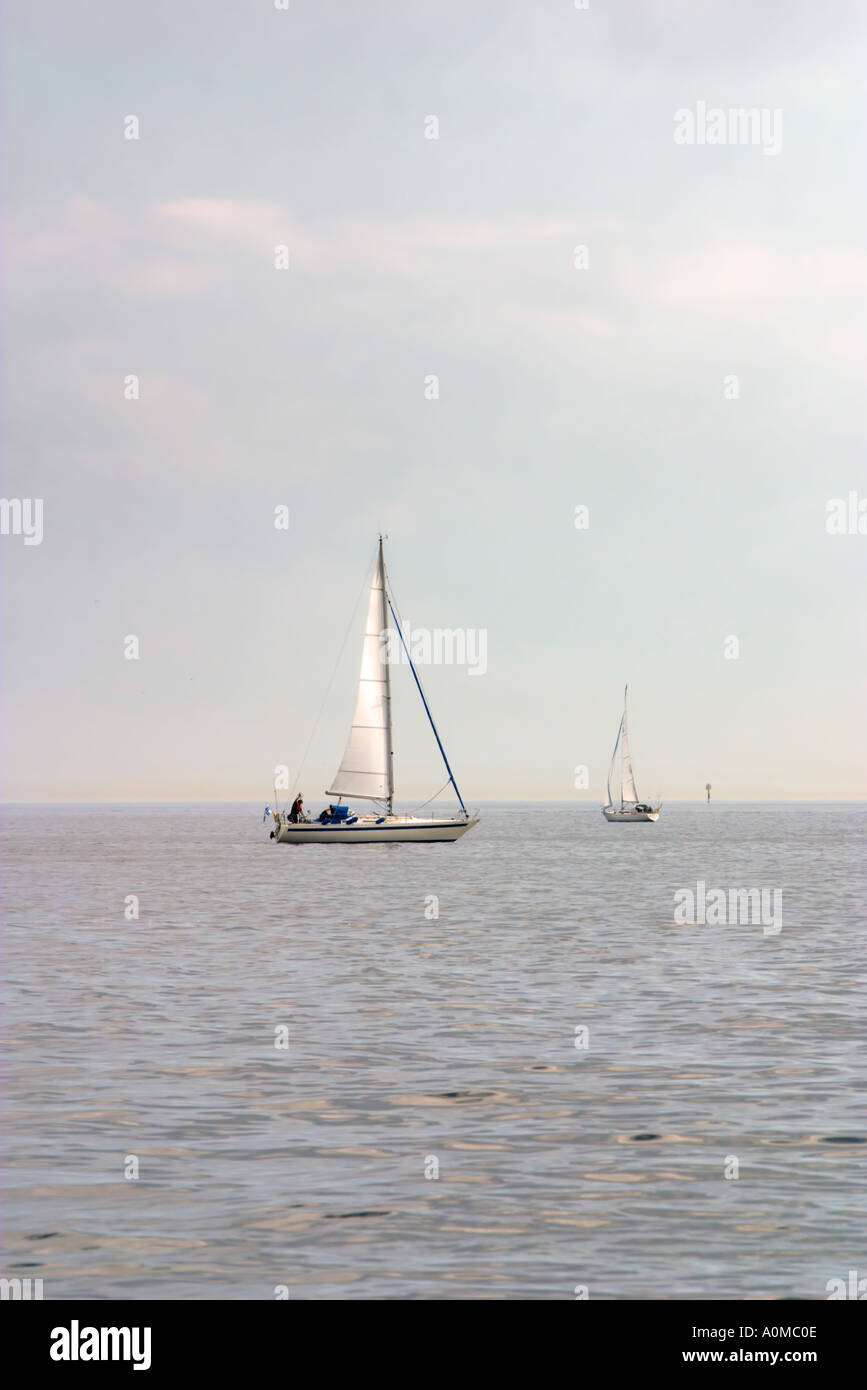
(376, 830)
(614, 813)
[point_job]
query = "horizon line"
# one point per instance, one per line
(481, 801)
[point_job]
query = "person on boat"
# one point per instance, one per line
(297, 812)
(327, 815)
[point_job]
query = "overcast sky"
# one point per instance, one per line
(698, 385)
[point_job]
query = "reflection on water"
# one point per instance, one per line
(412, 1040)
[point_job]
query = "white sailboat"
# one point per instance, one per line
(630, 808)
(366, 770)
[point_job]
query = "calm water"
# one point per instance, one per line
(415, 1039)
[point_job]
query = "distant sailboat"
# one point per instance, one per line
(630, 808)
(366, 769)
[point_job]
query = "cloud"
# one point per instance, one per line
(84, 243)
(189, 247)
(177, 248)
(403, 247)
(732, 275)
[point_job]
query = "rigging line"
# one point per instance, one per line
(396, 615)
(331, 681)
(445, 784)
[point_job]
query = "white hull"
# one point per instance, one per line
(375, 830)
(628, 813)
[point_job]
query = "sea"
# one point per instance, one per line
(554, 1060)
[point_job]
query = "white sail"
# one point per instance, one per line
(366, 767)
(630, 808)
(628, 790)
(613, 761)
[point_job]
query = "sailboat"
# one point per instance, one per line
(366, 769)
(630, 808)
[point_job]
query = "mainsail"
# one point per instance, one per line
(628, 790)
(366, 767)
(627, 781)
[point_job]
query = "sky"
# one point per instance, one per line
(438, 362)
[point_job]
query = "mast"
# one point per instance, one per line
(389, 752)
(624, 729)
